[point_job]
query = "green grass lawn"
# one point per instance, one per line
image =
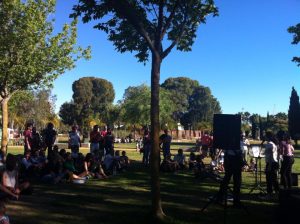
(125, 198)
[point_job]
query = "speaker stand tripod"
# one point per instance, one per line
(257, 185)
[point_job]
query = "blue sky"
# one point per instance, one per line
(244, 56)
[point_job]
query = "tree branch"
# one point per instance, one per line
(175, 42)
(154, 11)
(169, 19)
(159, 24)
(125, 10)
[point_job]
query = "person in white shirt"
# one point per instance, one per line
(245, 147)
(180, 159)
(272, 166)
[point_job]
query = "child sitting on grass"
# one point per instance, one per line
(124, 161)
(192, 161)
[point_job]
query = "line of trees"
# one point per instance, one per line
(182, 100)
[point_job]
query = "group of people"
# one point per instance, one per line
(144, 145)
(43, 161)
(278, 151)
(101, 142)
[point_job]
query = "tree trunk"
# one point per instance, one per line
(157, 212)
(4, 141)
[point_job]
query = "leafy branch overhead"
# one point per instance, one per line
(296, 39)
(134, 25)
(30, 54)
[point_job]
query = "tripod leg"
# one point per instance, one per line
(213, 200)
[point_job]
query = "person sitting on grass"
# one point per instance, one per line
(3, 217)
(10, 178)
(54, 169)
(124, 161)
(180, 159)
(110, 163)
(72, 173)
(199, 169)
(30, 166)
(192, 161)
(169, 165)
(92, 168)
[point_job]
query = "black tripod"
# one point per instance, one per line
(257, 185)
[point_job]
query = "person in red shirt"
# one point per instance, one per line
(206, 142)
(95, 138)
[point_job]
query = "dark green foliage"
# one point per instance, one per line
(254, 119)
(35, 106)
(294, 114)
(92, 97)
(296, 39)
(133, 25)
(201, 108)
(67, 113)
(136, 106)
(181, 88)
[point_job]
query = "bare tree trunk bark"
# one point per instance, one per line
(157, 212)
(4, 140)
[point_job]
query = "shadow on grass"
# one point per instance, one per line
(126, 198)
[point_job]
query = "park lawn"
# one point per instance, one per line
(125, 198)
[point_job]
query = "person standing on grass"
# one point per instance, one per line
(109, 140)
(146, 147)
(74, 141)
(272, 166)
(49, 137)
(165, 143)
(36, 140)
(27, 137)
(206, 142)
(95, 138)
(233, 163)
(245, 147)
(287, 154)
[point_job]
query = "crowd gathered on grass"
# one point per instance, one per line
(44, 162)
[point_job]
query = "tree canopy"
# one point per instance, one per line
(30, 54)
(296, 39)
(144, 27)
(181, 88)
(92, 99)
(136, 106)
(202, 105)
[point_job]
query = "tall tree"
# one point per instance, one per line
(143, 27)
(181, 89)
(31, 55)
(92, 97)
(202, 105)
(254, 119)
(67, 113)
(296, 39)
(294, 115)
(136, 106)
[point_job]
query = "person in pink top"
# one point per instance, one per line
(27, 137)
(287, 153)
